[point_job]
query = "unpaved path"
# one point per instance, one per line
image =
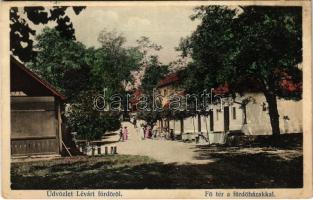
(161, 150)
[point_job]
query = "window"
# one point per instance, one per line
(216, 115)
(165, 92)
(234, 113)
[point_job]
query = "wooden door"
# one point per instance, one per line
(211, 121)
(226, 118)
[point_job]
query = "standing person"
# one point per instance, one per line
(135, 123)
(154, 131)
(150, 132)
(142, 131)
(125, 133)
(147, 132)
(121, 135)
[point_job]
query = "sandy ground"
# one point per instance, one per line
(159, 149)
(167, 151)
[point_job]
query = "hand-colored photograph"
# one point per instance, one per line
(159, 97)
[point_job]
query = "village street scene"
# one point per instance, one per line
(156, 97)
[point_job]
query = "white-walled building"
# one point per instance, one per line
(251, 118)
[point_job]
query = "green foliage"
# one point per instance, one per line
(209, 47)
(61, 62)
(21, 33)
(272, 47)
(230, 45)
(255, 42)
(155, 71)
(89, 123)
(113, 63)
(82, 74)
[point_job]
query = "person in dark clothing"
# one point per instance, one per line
(135, 123)
(121, 135)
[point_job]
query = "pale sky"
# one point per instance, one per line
(164, 25)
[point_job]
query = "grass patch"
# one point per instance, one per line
(232, 168)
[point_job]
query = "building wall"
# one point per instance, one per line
(257, 117)
(236, 116)
(258, 120)
(176, 126)
(218, 119)
(190, 125)
(205, 124)
(34, 126)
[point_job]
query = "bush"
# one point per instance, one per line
(89, 123)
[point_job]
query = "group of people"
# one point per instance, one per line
(146, 132)
(123, 134)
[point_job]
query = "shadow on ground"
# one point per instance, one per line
(231, 168)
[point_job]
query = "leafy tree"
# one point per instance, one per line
(21, 32)
(154, 72)
(62, 62)
(256, 42)
(89, 123)
(83, 73)
(113, 62)
(208, 47)
(271, 50)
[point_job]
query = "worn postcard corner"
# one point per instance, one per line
(156, 100)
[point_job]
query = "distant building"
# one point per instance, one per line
(35, 114)
(250, 118)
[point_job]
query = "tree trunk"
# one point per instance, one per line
(181, 126)
(273, 112)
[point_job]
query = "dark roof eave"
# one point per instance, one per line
(44, 83)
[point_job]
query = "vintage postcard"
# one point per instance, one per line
(156, 100)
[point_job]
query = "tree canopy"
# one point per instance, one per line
(83, 73)
(62, 62)
(256, 42)
(154, 72)
(22, 33)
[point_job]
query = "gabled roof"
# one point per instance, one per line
(23, 79)
(136, 96)
(169, 79)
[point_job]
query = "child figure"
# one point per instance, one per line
(147, 132)
(125, 133)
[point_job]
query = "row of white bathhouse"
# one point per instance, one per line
(251, 119)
